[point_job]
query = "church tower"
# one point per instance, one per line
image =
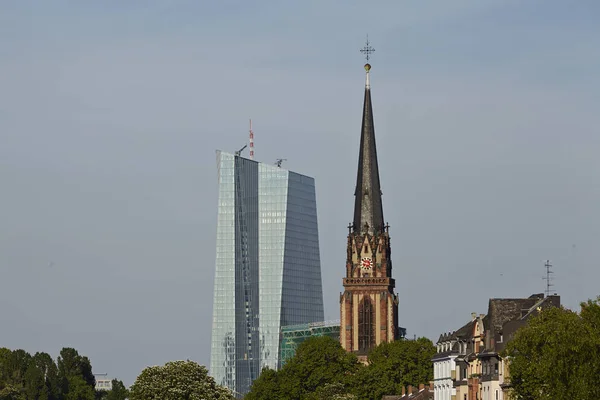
(368, 306)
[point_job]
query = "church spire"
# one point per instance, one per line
(368, 306)
(368, 209)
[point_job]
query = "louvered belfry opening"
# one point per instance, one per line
(366, 319)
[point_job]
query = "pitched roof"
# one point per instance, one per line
(463, 333)
(466, 331)
(368, 209)
(500, 311)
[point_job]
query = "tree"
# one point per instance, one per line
(13, 368)
(70, 364)
(23, 377)
(79, 389)
(10, 392)
(557, 355)
(331, 391)
(266, 387)
(18, 362)
(7, 389)
(177, 380)
(392, 366)
(35, 383)
(75, 375)
(318, 362)
(49, 370)
(322, 369)
(118, 391)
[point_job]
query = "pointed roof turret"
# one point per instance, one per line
(368, 209)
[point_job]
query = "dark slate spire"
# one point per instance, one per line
(368, 210)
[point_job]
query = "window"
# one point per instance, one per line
(366, 336)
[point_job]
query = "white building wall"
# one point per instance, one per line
(442, 376)
(491, 391)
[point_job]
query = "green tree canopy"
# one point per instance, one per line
(48, 369)
(71, 364)
(77, 382)
(557, 355)
(331, 391)
(177, 380)
(267, 386)
(37, 377)
(318, 362)
(118, 391)
(13, 373)
(392, 366)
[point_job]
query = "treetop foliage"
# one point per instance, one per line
(177, 380)
(38, 377)
(322, 369)
(557, 355)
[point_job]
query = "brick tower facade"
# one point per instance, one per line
(368, 306)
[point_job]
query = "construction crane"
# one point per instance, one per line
(279, 161)
(239, 152)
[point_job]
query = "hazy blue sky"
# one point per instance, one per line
(487, 123)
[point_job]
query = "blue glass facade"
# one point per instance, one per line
(268, 271)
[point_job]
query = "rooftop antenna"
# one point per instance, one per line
(548, 277)
(251, 142)
(239, 152)
(279, 161)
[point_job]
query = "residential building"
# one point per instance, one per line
(267, 272)
(449, 366)
(103, 382)
(453, 362)
(368, 305)
(423, 392)
(504, 318)
(473, 363)
(444, 366)
(474, 351)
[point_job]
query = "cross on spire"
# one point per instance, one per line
(367, 50)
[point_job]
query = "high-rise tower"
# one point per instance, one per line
(268, 272)
(368, 306)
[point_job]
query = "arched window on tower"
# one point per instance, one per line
(366, 321)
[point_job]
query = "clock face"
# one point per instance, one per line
(366, 264)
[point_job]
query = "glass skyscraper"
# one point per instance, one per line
(268, 271)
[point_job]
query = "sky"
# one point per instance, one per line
(486, 119)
